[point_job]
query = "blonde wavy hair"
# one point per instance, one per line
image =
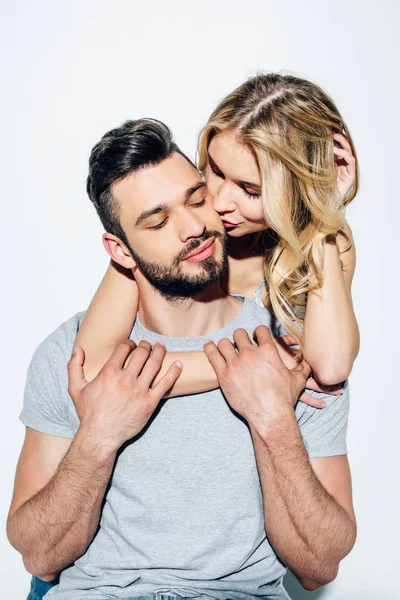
(289, 123)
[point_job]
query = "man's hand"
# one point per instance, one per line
(253, 378)
(117, 404)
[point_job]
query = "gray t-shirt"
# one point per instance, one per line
(183, 512)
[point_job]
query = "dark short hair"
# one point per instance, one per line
(127, 149)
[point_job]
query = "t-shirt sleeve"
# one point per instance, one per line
(324, 430)
(46, 406)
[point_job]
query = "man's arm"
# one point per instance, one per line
(53, 525)
(308, 510)
(58, 491)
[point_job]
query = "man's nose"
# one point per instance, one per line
(223, 200)
(191, 226)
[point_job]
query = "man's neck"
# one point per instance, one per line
(189, 317)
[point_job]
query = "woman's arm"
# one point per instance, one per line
(109, 318)
(331, 336)
(109, 321)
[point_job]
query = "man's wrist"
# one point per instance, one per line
(91, 444)
(275, 413)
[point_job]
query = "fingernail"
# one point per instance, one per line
(323, 404)
(179, 364)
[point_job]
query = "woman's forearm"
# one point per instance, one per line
(56, 525)
(330, 333)
(197, 374)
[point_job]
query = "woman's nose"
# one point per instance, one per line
(223, 200)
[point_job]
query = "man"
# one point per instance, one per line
(195, 497)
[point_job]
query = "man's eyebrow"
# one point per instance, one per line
(149, 213)
(164, 208)
(239, 182)
(192, 190)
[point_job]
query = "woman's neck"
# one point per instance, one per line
(246, 265)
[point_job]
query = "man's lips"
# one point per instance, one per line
(203, 251)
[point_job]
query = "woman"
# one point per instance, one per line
(280, 165)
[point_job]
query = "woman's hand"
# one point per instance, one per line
(346, 164)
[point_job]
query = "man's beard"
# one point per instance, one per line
(172, 283)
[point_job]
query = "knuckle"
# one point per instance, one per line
(108, 370)
(223, 343)
(142, 351)
(144, 344)
(127, 343)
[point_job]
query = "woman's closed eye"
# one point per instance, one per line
(216, 171)
(250, 194)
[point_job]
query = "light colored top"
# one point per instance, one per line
(184, 512)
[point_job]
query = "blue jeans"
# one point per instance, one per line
(39, 588)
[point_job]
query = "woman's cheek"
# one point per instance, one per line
(212, 186)
(253, 211)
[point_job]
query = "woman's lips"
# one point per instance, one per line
(204, 251)
(229, 225)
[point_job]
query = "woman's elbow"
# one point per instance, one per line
(332, 373)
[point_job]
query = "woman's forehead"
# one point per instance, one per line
(235, 159)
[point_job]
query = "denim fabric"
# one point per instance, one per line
(39, 588)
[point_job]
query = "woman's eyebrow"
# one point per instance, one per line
(256, 186)
(213, 162)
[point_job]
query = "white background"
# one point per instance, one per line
(73, 69)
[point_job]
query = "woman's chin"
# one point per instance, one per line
(238, 232)
(235, 232)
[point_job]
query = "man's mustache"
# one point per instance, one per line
(193, 244)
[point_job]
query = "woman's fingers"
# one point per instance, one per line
(311, 401)
(312, 384)
(343, 141)
(288, 340)
(346, 155)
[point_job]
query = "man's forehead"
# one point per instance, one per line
(163, 183)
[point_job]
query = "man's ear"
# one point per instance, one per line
(118, 251)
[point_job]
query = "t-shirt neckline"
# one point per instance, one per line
(141, 332)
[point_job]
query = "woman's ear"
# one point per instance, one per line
(118, 251)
